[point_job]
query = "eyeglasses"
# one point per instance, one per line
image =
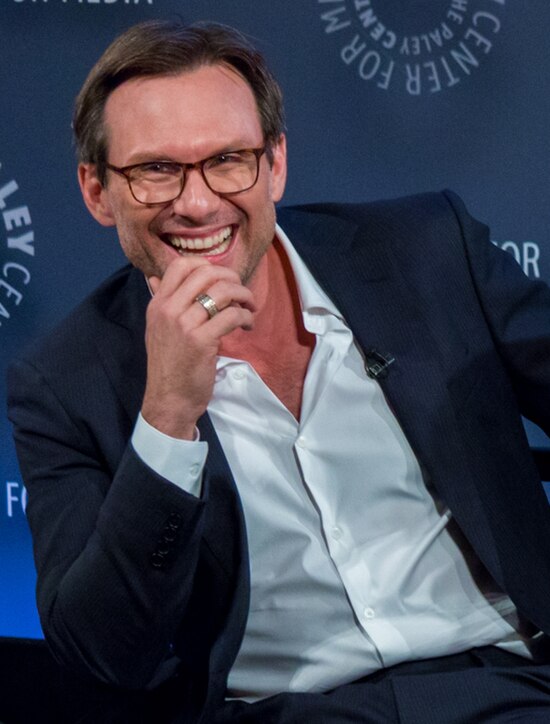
(159, 182)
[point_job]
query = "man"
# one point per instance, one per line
(308, 496)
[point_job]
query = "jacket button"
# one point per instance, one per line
(163, 549)
(169, 534)
(157, 560)
(174, 520)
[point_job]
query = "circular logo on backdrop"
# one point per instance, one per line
(18, 245)
(418, 47)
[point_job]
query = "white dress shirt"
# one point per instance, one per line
(355, 563)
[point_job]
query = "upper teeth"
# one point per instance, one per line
(201, 242)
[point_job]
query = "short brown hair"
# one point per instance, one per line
(157, 48)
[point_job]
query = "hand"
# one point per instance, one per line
(182, 340)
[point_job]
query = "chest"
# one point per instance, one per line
(282, 365)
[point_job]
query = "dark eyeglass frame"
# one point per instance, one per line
(184, 168)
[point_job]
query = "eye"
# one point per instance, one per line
(158, 168)
(224, 159)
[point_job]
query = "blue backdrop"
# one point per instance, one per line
(383, 97)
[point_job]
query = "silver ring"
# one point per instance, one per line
(208, 303)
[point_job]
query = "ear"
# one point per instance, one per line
(278, 169)
(95, 195)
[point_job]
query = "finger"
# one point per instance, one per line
(176, 272)
(221, 284)
(227, 321)
(202, 312)
(226, 293)
(201, 272)
(182, 307)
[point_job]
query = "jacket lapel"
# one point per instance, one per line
(357, 269)
(122, 347)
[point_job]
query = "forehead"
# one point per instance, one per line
(189, 113)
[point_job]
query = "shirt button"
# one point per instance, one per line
(301, 441)
(239, 374)
(336, 533)
(368, 612)
(194, 469)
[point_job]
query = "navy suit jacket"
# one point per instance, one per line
(140, 582)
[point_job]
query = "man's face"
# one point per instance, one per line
(187, 118)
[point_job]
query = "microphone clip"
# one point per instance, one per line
(377, 363)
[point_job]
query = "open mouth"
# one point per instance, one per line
(212, 245)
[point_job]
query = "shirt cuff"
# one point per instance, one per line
(179, 461)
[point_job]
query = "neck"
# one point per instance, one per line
(278, 347)
(277, 305)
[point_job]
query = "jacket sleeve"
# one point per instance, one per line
(517, 312)
(115, 545)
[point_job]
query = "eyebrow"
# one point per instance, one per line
(226, 148)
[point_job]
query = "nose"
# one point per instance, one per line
(197, 201)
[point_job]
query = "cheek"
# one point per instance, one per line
(268, 218)
(131, 222)
(261, 209)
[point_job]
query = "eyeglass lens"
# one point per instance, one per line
(163, 181)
